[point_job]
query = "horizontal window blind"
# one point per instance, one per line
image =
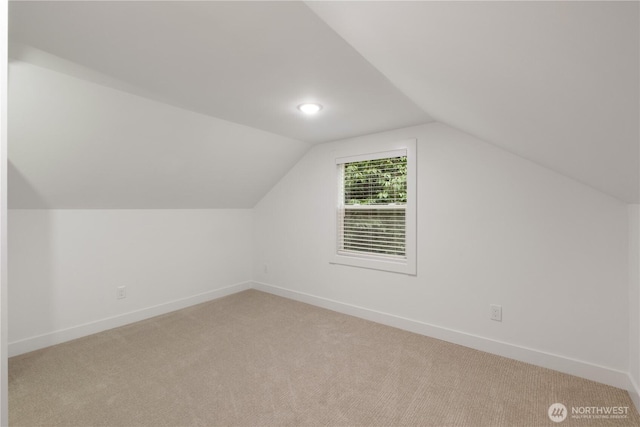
(372, 207)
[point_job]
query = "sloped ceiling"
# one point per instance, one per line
(246, 62)
(160, 104)
(555, 82)
(75, 144)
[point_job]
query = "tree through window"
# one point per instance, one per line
(375, 211)
(372, 212)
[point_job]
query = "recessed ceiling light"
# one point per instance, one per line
(310, 108)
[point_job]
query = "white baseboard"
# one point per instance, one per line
(57, 337)
(559, 363)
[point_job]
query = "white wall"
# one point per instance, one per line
(4, 332)
(634, 301)
(65, 265)
(493, 228)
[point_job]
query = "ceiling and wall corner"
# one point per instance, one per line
(246, 62)
(80, 145)
(107, 115)
(554, 82)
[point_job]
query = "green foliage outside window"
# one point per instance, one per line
(375, 182)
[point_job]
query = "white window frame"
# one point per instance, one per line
(407, 265)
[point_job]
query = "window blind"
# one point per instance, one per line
(372, 207)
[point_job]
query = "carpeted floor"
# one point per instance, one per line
(255, 359)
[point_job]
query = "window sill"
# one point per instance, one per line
(403, 267)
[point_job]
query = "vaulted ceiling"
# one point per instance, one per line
(159, 104)
(555, 82)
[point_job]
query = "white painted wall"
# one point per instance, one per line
(634, 302)
(493, 228)
(4, 332)
(65, 265)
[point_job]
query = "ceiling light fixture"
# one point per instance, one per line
(310, 108)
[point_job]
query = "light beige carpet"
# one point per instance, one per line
(254, 359)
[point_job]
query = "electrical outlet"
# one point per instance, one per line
(496, 312)
(121, 292)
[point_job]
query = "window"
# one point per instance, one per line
(375, 214)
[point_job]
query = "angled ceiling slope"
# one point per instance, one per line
(75, 144)
(554, 82)
(247, 62)
(178, 104)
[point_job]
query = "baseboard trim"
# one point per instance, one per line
(57, 337)
(556, 362)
